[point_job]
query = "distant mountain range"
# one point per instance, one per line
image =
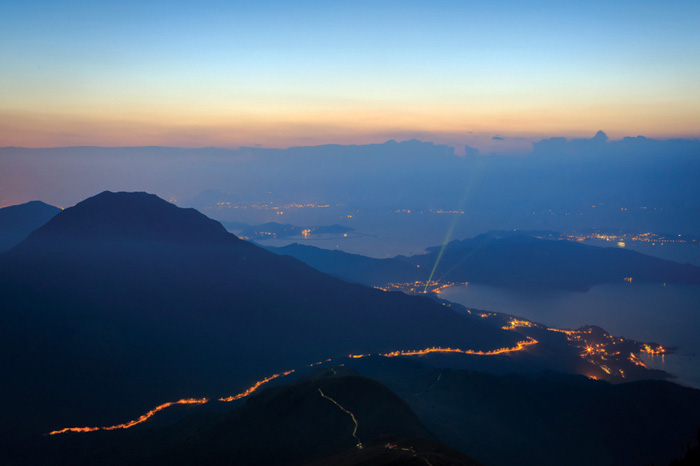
(515, 260)
(353, 267)
(16, 222)
(634, 184)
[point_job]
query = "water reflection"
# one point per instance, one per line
(668, 315)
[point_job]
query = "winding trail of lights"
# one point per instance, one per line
(257, 385)
(521, 345)
(354, 431)
(143, 418)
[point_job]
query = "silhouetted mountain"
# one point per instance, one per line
(634, 183)
(299, 423)
(692, 456)
(409, 452)
(544, 419)
(17, 221)
(235, 226)
(352, 267)
(502, 259)
(128, 217)
(125, 301)
(524, 262)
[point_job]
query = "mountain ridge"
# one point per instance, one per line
(18, 221)
(512, 261)
(139, 216)
(151, 321)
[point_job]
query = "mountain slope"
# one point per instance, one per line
(521, 261)
(125, 301)
(544, 418)
(128, 216)
(352, 267)
(16, 222)
(332, 419)
(389, 404)
(513, 261)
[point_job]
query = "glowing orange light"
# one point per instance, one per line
(636, 361)
(653, 351)
(514, 323)
(521, 345)
(567, 332)
(257, 385)
(74, 429)
(143, 418)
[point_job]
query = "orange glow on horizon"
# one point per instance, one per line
(329, 123)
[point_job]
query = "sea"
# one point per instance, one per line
(666, 314)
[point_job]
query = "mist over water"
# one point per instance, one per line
(664, 314)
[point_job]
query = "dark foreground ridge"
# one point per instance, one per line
(398, 411)
(318, 419)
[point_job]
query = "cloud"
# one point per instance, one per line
(498, 138)
(600, 136)
(469, 151)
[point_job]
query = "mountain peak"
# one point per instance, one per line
(17, 221)
(131, 216)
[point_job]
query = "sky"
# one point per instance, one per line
(279, 74)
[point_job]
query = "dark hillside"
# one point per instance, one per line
(17, 221)
(125, 301)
